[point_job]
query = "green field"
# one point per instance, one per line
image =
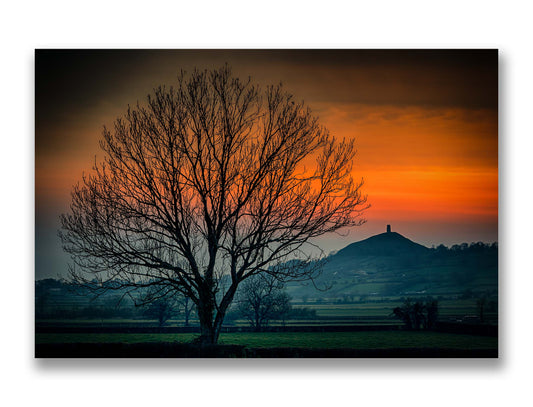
(327, 314)
(326, 340)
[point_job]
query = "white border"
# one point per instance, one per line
(243, 24)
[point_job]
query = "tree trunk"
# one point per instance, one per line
(211, 324)
(187, 311)
(206, 308)
(257, 327)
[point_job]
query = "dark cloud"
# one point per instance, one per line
(76, 88)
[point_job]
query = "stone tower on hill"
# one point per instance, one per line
(388, 228)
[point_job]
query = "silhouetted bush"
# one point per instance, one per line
(418, 314)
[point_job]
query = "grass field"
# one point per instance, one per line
(384, 342)
(326, 340)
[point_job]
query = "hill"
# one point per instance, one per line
(390, 264)
(384, 244)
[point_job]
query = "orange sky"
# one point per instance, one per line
(425, 123)
(425, 163)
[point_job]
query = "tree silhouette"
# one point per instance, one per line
(418, 314)
(261, 299)
(209, 183)
(162, 309)
(481, 305)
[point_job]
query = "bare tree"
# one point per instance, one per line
(418, 314)
(481, 304)
(207, 184)
(187, 309)
(162, 309)
(261, 299)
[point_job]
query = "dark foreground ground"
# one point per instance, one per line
(447, 341)
(173, 350)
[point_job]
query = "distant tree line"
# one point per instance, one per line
(55, 299)
(261, 301)
(474, 247)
